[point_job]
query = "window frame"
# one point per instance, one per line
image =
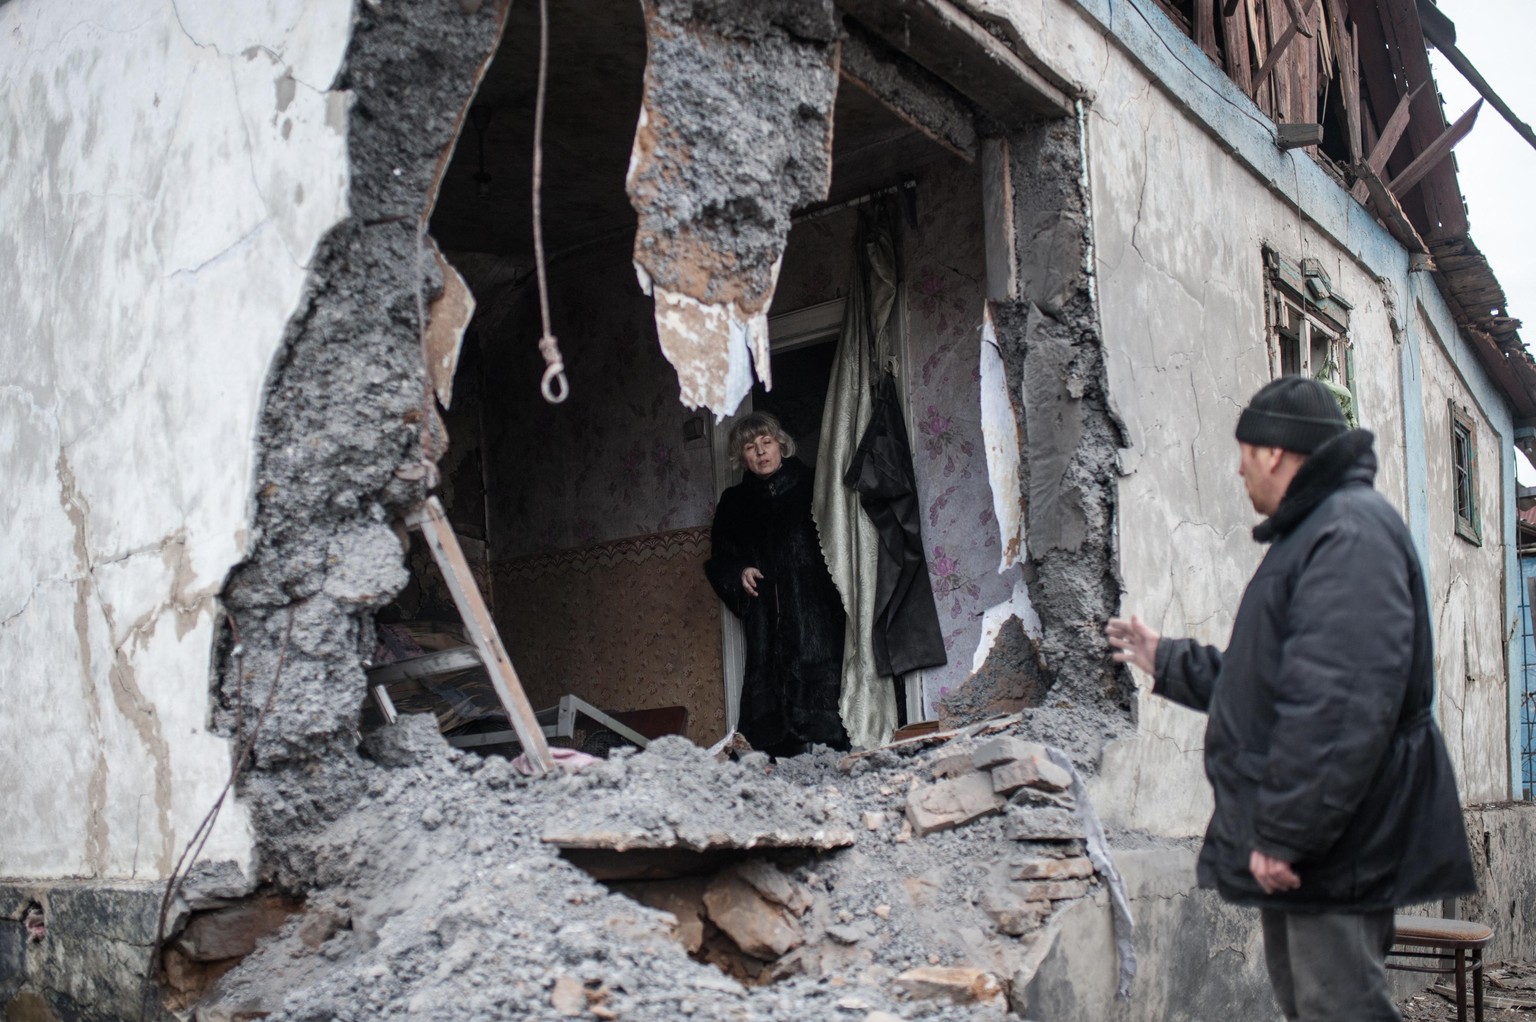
(1464, 477)
(1299, 304)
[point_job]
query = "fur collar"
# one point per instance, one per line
(1346, 458)
(790, 472)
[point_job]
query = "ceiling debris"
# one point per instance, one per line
(735, 132)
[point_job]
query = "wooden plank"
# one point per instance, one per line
(997, 221)
(430, 665)
(444, 545)
(1205, 28)
(1283, 111)
(1234, 28)
(1298, 17)
(1439, 193)
(1436, 151)
(1266, 102)
(954, 46)
(1304, 78)
(1390, 211)
(1444, 40)
(1392, 133)
(1352, 98)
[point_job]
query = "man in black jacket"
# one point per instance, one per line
(1335, 802)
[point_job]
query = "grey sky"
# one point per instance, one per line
(1496, 167)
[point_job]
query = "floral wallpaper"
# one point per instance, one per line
(944, 297)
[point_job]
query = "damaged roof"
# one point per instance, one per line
(1356, 71)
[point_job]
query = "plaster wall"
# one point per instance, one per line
(1187, 189)
(1182, 300)
(170, 169)
(1473, 703)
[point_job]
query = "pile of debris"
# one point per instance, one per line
(913, 881)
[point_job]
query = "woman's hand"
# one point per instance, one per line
(750, 577)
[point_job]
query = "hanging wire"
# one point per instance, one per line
(554, 385)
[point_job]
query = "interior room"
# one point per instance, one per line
(587, 522)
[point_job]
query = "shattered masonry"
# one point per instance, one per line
(342, 434)
(735, 132)
(1054, 360)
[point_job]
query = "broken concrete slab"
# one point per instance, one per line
(951, 803)
(958, 985)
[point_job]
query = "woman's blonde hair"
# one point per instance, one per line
(750, 427)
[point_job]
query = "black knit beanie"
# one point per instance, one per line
(1294, 413)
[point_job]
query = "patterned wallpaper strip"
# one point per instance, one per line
(689, 543)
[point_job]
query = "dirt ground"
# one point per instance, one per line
(1506, 982)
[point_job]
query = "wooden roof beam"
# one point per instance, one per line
(955, 47)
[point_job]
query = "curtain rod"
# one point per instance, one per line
(838, 207)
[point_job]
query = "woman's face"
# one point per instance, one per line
(762, 455)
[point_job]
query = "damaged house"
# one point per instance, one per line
(371, 365)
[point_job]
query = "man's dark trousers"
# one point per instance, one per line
(1328, 967)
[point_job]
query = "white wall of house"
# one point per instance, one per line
(1470, 622)
(168, 172)
(1187, 189)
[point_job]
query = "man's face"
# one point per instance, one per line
(1260, 469)
(762, 455)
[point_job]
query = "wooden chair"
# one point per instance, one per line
(1449, 940)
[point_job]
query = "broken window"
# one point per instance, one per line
(1308, 328)
(1464, 475)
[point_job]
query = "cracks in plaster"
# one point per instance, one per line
(233, 248)
(128, 698)
(97, 829)
(250, 159)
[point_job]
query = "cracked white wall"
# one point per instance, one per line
(171, 166)
(1471, 680)
(1180, 229)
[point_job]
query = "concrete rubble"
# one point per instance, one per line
(454, 888)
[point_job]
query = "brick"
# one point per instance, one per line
(1044, 823)
(954, 764)
(758, 926)
(996, 751)
(1013, 914)
(958, 985)
(945, 804)
(233, 932)
(1054, 890)
(1051, 869)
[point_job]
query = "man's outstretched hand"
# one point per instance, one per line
(1133, 642)
(1272, 874)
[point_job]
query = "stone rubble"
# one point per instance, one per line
(888, 885)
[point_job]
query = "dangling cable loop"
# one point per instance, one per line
(554, 365)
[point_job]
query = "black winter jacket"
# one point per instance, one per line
(1321, 747)
(794, 626)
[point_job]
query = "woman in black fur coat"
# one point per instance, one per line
(768, 567)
